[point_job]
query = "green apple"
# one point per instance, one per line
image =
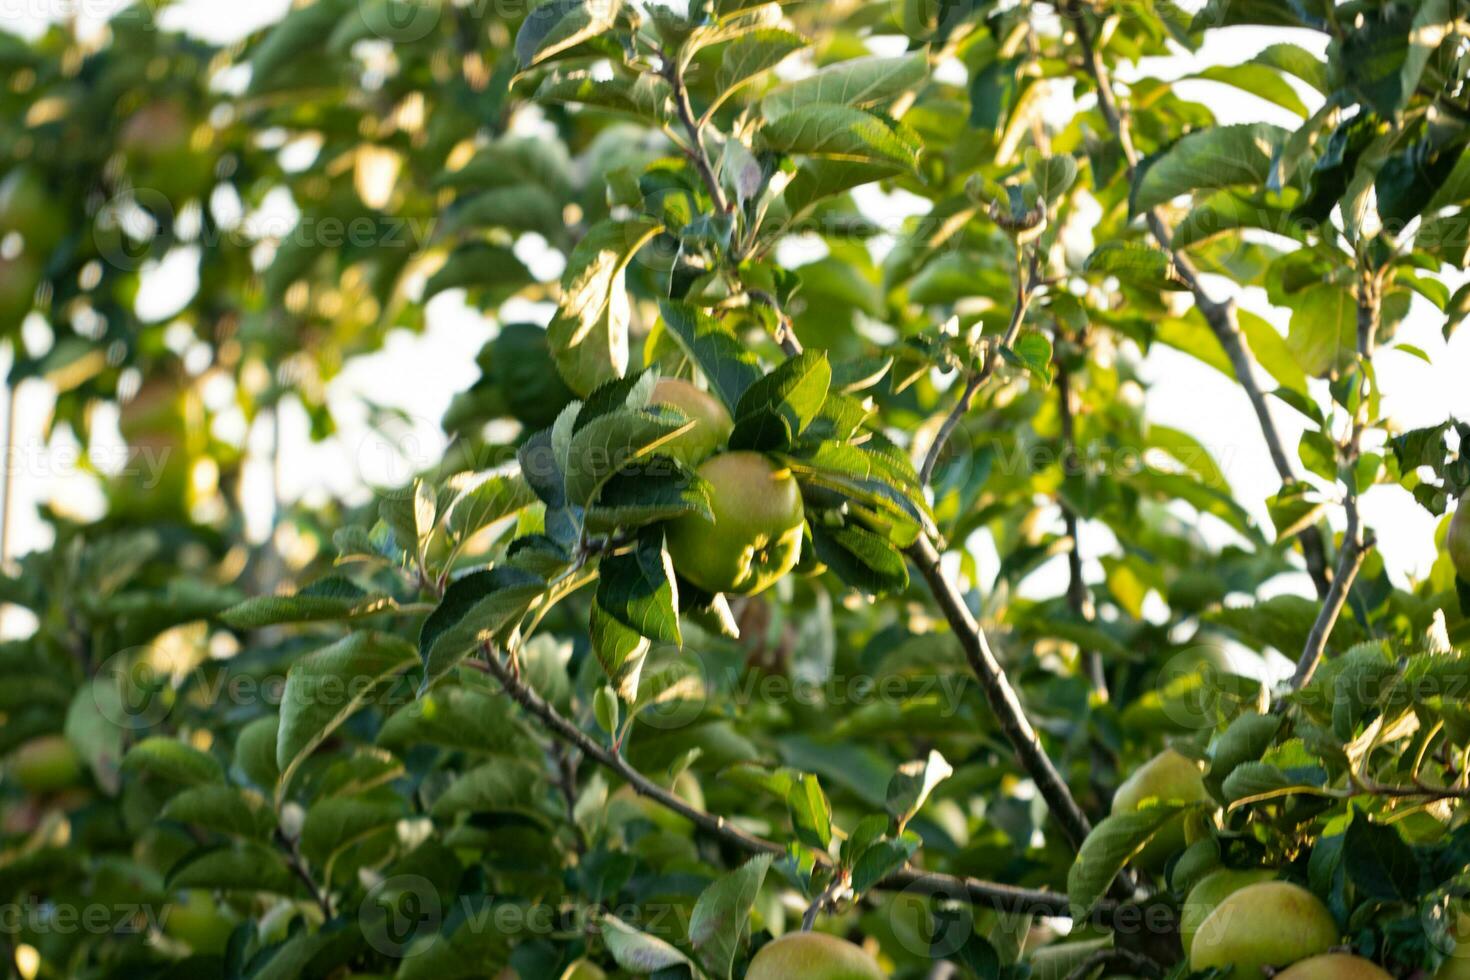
(1166, 778)
(196, 918)
(19, 278)
(757, 531)
(1274, 923)
(46, 764)
(1211, 890)
(1457, 541)
(1334, 966)
(812, 956)
(712, 424)
(1457, 966)
(584, 970)
(26, 206)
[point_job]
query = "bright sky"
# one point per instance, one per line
(1184, 394)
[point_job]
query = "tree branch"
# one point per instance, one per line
(1078, 597)
(1219, 316)
(1001, 695)
(1006, 898)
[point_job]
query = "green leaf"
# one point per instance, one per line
(331, 598)
(1246, 739)
(645, 98)
(558, 25)
(1272, 352)
(493, 500)
(325, 688)
(246, 866)
(478, 607)
(636, 587)
(610, 443)
(721, 914)
(1135, 263)
(860, 82)
(491, 269)
(777, 408)
(840, 133)
(1259, 80)
(1324, 328)
(1032, 352)
(642, 495)
(500, 786)
(458, 718)
(333, 825)
(728, 364)
(638, 952)
(1257, 782)
(883, 858)
(222, 809)
(1380, 863)
(1221, 156)
(745, 58)
(811, 814)
(173, 761)
(1112, 843)
(589, 335)
(619, 649)
(255, 752)
(912, 785)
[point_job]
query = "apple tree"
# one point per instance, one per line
(812, 586)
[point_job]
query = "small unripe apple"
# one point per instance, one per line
(1457, 540)
(1334, 966)
(756, 535)
(46, 764)
(1274, 923)
(712, 424)
(1166, 778)
(19, 278)
(197, 919)
(1213, 889)
(812, 956)
(1457, 965)
(584, 970)
(26, 206)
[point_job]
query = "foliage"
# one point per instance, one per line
(482, 724)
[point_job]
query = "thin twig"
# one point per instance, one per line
(1026, 283)
(1127, 960)
(1007, 898)
(1220, 316)
(1079, 599)
(298, 867)
(697, 153)
(785, 332)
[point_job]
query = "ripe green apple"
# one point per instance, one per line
(756, 535)
(1211, 890)
(194, 917)
(1457, 541)
(1167, 777)
(712, 424)
(1274, 923)
(46, 764)
(1334, 966)
(812, 956)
